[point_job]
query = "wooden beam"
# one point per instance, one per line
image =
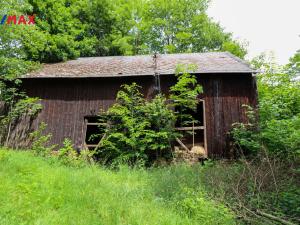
(190, 128)
(101, 140)
(96, 124)
(182, 145)
(204, 124)
(91, 145)
(275, 218)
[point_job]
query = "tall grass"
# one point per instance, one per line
(39, 191)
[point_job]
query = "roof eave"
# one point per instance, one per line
(137, 75)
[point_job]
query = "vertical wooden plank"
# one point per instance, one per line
(66, 102)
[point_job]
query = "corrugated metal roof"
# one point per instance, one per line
(114, 66)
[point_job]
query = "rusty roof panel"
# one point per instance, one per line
(115, 66)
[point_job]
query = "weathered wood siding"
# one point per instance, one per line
(67, 101)
(224, 97)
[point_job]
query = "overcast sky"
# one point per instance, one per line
(268, 25)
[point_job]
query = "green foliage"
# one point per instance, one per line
(161, 120)
(289, 200)
(277, 126)
(143, 27)
(30, 106)
(14, 103)
(282, 137)
(138, 130)
(236, 48)
(279, 111)
(66, 155)
(182, 187)
(40, 142)
(246, 135)
(67, 29)
(86, 157)
(27, 106)
(184, 93)
(69, 156)
(242, 185)
(195, 205)
(23, 107)
(10, 70)
(272, 137)
(51, 193)
(142, 131)
(260, 183)
(294, 65)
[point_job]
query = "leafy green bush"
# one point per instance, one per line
(40, 144)
(268, 179)
(184, 93)
(257, 184)
(86, 156)
(142, 131)
(289, 201)
(277, 125)
(246, 135)
(16, 110)
(14, 102)
(282, 137)
(137, 130)
(69, 156)
(279, 112)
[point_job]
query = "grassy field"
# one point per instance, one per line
(34, 190)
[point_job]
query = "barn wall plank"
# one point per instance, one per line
(67, 101)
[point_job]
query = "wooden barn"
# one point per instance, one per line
(72, 93)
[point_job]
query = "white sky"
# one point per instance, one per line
(267, 25)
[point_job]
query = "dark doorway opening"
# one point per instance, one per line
(193, 131)
(198, 116)
(95, 130)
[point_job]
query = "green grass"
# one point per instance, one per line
(34, 190)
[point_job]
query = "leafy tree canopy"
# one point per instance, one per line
(279, 111)
(169, 27)
(67, 29)
(294, 65)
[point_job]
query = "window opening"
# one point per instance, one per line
(193, 131)
(95, 130)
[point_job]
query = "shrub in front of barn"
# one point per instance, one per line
(140, 131)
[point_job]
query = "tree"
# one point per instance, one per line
(279, 112)
(67, 29)
(294, 64)
(13, 63)
(138, 130)
(173, 26)
(184, 93)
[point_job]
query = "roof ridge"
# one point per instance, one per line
(151, 55)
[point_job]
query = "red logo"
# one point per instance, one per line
(17, 20)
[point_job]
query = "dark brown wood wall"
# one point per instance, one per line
(67, 101)
(224, 99)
